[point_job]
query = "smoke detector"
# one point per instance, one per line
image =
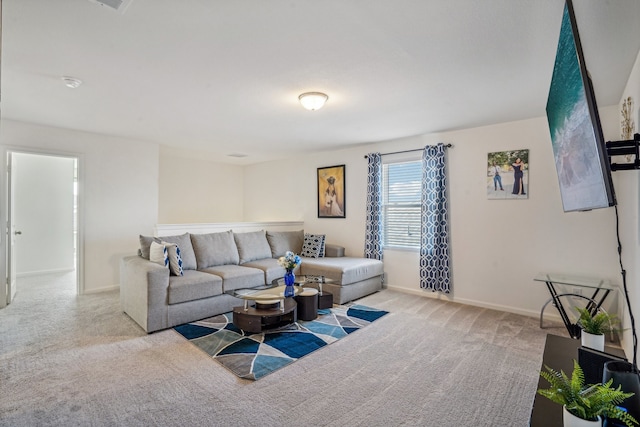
(117, 5)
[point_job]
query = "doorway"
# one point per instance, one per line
(42, 216)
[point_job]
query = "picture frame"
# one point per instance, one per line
(331, 192)
(507, 175)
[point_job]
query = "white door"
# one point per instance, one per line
(11, 231)
(41, 216)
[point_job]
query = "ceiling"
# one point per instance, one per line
(222, 77)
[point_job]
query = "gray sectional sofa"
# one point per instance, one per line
(216, 263)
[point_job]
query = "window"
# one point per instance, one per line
(401, 197)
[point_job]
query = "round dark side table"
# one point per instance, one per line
(323, 299)
(307, 304)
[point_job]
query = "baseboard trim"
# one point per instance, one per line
(44, 272)
(100, 290)
(548, 314)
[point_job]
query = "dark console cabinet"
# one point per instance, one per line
(559, 353)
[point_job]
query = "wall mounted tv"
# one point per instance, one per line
(579, 150)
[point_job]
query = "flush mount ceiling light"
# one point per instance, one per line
(71, 82)
(313, 100)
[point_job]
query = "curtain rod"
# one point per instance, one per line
(408, 151)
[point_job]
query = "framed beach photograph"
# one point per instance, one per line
(508, 175)
(331, 192)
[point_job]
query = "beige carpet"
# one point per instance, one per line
(67, 360)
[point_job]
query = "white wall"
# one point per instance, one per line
(280, 190)
(119, 190)
(195, 189)
(497, 246)
(43, 213)
(627, 190)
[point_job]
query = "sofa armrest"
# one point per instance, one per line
(333, 251)
(144, 288)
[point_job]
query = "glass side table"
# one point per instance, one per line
(599, 289)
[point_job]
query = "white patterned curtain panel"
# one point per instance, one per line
(434, 234)
(373, 232)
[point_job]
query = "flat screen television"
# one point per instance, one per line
(583, 167)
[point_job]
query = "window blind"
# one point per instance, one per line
(401, 204)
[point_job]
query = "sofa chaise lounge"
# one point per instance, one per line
(215, 263)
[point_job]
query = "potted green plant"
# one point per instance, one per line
(594, 327)
(584, 406)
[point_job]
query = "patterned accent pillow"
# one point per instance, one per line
(313, 246)
(175, 259)
(186, 250)
(184, 243)
(158, 253)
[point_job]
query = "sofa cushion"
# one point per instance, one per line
(333, 250)
(193, 285)
(344, 270)
(283, 241)
(184, 243)
(215, 249)
(252, 246)
(272, 270)
(237, 276)
(313, 246)
(145, 245)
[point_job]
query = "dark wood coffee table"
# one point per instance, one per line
(271, 309)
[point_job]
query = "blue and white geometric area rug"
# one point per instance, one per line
(252, 356)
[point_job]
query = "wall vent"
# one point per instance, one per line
(239, 155)
(117, 5)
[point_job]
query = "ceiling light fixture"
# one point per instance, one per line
(71, 82)
(313, 100)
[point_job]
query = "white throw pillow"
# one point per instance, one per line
(158, 253)
(175, 259)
